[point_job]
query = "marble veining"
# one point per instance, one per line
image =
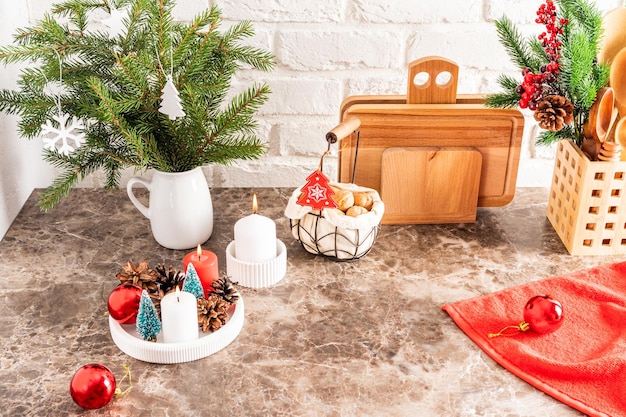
(361, 338)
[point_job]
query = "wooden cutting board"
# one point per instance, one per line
(418, 175)
(405, 122)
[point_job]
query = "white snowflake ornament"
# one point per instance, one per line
(64, 136)
(115, 22)
(171, 104)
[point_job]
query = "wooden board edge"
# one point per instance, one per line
(470, 218)
(400, 99)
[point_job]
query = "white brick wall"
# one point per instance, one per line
(329, 49)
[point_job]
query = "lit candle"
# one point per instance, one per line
(179, 317)
(205, 263)
(255, 237)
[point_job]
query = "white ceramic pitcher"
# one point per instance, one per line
(180, 207)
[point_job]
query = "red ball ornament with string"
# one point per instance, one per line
(123, 303)
(542, 314)
(93, 386)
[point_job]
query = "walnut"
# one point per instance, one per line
(356, 211)
(344, 199)
(363, 199)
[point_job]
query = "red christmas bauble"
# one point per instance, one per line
(92, 386)
(124, 303)
(543, 314)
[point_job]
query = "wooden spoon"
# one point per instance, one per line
(620, 136)
(614, 39)
(618, 81)
(601, 115)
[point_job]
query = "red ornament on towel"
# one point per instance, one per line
(317, 193)
(542, 314)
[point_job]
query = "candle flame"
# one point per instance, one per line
(255, 206)
(177, 294)
(199, 251)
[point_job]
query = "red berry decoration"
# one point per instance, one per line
(542, 314)
(92, 386)
(124, 303)
(539, 85)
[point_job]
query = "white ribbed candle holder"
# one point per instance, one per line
(257, 274)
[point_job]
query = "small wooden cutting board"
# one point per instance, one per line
(430, 184)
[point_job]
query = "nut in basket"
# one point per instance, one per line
(345, 233)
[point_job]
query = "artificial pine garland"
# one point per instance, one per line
(559, 67)
(114, 86)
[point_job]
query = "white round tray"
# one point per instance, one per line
(130, 342)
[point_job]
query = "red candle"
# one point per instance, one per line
(205, 263)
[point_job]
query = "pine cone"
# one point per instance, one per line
(212, 312)
(169, 279)
(225, 288)
(554, 112)
(139, 275)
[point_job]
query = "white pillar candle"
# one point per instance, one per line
(179, 317)
(255, 237)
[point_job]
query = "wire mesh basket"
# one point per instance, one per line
(332, 233)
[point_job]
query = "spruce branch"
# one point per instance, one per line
(75, 169)
(237, 116)
(586, 16)
(508, 98)
(547, 138)
(114, 86)
(515, 44)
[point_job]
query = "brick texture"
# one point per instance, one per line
(327, 50)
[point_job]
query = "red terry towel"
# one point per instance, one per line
(583, 363)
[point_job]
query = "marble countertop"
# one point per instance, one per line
(362, 338)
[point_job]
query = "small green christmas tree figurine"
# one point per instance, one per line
(148, 323)
(113, 84)
(192, 282)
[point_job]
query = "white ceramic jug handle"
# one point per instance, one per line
(129, 190)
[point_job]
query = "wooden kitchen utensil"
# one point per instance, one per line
(618, 81)
(602, 115)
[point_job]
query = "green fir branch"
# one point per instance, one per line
(248, 146)
(506, 99)
(238, 114)
(75, 168)
(114, 86)
(579, 77)
(586, 16)
(578, 57)
(547, 138)
(515, 44)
